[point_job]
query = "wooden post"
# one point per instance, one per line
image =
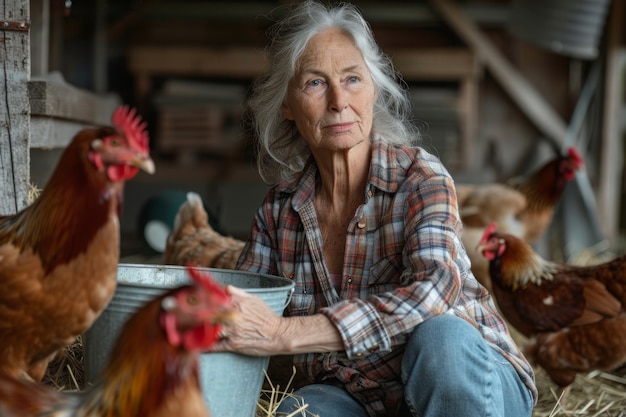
(14, 107)
(611, 152)
(39, 36)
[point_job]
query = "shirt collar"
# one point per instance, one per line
(388, 168)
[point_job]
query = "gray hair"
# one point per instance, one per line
(282, 152)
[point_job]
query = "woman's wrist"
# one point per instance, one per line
(303, 334)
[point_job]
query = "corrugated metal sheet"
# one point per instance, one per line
(572, 28)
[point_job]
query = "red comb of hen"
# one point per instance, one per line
(489, 230)
(573, 154)
(128, 121)
(206, 281)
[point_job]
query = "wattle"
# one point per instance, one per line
(201, 337)
(121, 172)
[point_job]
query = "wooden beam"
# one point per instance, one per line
(146, 62)
(39, 36)
(395, 13)
(58, 99)
(527, 98)
(435, 64)
(14, 107)
(200, 61)
(611, 151)
(100, 48)
(246, 62)
(59, 110)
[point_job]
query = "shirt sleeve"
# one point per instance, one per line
(434, 262)
(257, 255)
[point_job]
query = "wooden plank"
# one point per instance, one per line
(47, 133)
(14, 106)
(59, 110)
(524, 94)
(395, 13)
(58, 99)
(100, 48)
(441, 64)
(39, 36)
(241, 62)
(189, 60)
(611, 156)
(146, 62)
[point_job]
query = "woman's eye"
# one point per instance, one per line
(353, 79)
(315, 83)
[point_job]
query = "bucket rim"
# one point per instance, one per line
(287, 284)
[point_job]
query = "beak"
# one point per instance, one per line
(144, 162)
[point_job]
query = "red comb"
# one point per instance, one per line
(206, 281)
(128, 121)
(489, 230)
(573, 154)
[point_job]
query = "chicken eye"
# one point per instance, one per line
(192, 300)
(115, 143)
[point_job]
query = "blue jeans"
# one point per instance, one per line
(447, 370)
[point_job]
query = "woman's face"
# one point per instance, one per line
(331, 96)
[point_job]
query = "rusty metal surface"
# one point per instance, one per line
(14, 26)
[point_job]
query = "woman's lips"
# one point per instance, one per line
(340, 127)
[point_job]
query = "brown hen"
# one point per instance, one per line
(59, 256)
(523, 207)
(193, 240)
(573, 315)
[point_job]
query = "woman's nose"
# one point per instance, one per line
(338, 98)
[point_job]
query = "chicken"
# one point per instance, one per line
(523, 207)
(192, 239)
(573, 316)
(59, 256)
(153, 370)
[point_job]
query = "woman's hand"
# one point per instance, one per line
(259, 331)
(253, 332)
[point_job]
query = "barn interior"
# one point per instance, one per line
(499, 87)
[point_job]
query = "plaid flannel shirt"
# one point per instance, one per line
(404, 263)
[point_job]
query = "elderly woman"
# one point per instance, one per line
(387, 318)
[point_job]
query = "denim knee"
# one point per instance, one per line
(449, 369)
(442, 345)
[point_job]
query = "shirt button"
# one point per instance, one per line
(373, 349)
(359, 354)
(370, 194)
(362, 223)
(350, 280)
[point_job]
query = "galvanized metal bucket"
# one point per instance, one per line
(231, 383)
